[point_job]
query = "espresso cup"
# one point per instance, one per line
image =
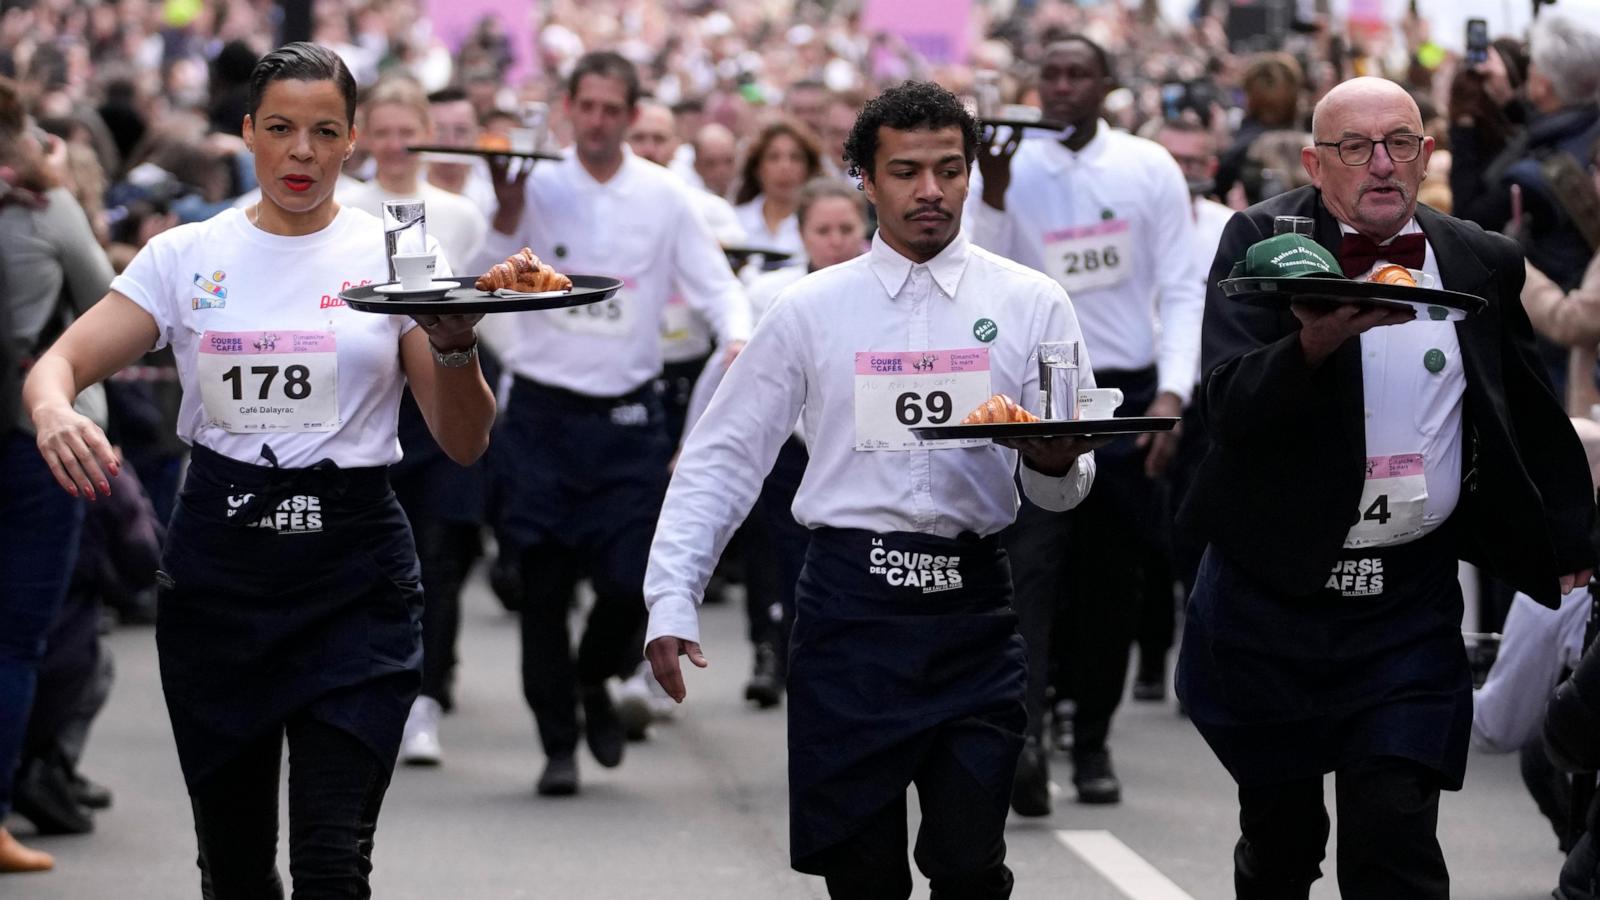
(1098, 403)
(415, 270)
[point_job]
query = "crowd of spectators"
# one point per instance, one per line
(132, 110)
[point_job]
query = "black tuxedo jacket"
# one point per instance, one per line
(1281, 480)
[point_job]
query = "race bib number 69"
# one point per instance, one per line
(257, 381)
(896, 392)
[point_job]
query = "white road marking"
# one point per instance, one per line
(1117, 863)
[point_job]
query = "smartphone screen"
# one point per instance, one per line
(1477, 42)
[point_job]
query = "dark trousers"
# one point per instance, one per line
(336, 786)
(961, 845)
(777, 551)
(611, 644)
(446, 550)
(39, 524)
(1388, 812)
(1036, 545)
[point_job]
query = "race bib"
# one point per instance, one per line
(1393, 499)
(612, 317)
(1092, 257)
(899, 391)
(253, 381)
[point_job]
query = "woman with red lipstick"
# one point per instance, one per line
(290, 599)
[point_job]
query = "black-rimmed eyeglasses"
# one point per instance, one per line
(1402, 148)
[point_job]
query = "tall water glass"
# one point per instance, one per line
(405, 230)
(1058, 379)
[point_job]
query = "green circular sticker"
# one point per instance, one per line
(1438, 313)
(1433, 361)
(985, 330)
(1107, 215)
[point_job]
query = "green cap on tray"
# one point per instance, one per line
(1287, 256)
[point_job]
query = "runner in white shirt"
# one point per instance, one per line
(442, 501)
(290, 600)
(456, 125)
(587, 449)
(686, 339)
(783, 157)
(906, 664)
(1107, 215)
(1194, 149)
(395, 115)
(833, 225)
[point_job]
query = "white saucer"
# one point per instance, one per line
(434, 291)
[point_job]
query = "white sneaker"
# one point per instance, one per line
(632, 701)
(419, 745)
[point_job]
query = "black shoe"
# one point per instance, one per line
(601, 728)
(766, 682)
(1094, 778)
(505, 580)
(42, 793)
(560, 778)
(88, 793)
(1150, 690)
(1030, 792)
(1150, 684)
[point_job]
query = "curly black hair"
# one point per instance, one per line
(907, 106)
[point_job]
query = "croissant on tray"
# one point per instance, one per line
(999, 410)
(525, 273)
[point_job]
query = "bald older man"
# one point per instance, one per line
(716, 153)
(1323, 632)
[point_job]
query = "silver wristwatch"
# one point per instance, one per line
(455, 359)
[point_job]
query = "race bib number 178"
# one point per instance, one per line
(255, 381)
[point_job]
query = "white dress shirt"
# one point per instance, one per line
(639, 226)
(1538, 643)
(803, 358)
(785, 238)
(1115, 178)
(684, 333)
(1410, 409)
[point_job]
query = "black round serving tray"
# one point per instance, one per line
(479, 151)
(1048, 428)
(1036, 124)
(586, 289)
(1429, 303)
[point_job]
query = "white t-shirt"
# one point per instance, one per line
(786, 238)
(224, 285)
(457, 222)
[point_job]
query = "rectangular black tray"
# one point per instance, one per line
(1067, 428)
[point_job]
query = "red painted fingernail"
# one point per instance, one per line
(105, 488)
(72, 490)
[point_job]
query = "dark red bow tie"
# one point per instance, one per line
(1358, 253)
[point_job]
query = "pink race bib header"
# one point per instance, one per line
(923, 362)
(261, 343)
(1114, 226)
(1403, 466)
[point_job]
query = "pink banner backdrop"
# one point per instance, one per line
(937, 29)
(454, 20)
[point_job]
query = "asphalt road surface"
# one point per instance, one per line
(700, 810)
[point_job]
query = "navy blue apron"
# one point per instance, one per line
(286, 591)
(1373, 664)
(584, 472)
(895, 635)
